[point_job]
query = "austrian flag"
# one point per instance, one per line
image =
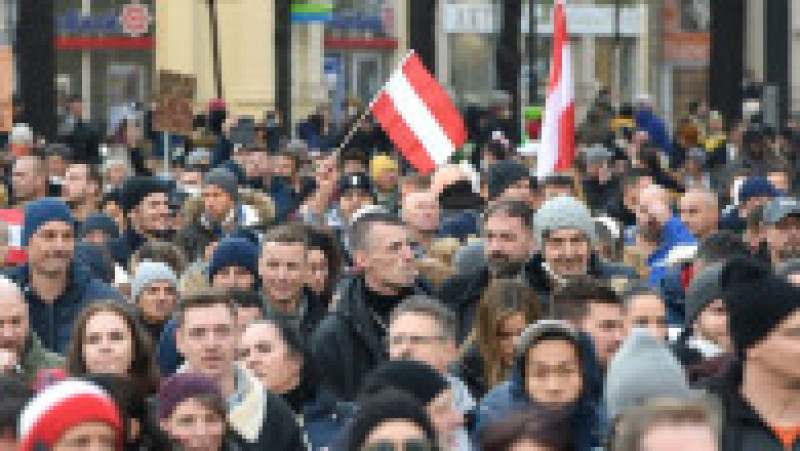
(557, 151)
(419, 117)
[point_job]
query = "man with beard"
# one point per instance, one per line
(145, 203)
(660, 232)
(350, 340)
(507, 245)
(21, 350)
(782, 229)
(56, 286)
(82, 189)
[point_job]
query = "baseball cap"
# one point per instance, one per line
(780, 208)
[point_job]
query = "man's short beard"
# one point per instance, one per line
(505, 268)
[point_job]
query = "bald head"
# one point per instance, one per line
(699, 210)
(14, 326)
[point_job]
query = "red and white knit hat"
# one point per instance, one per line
(61, 406)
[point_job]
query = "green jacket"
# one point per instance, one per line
(37, 358)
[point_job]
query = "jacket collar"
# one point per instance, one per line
(78, 277)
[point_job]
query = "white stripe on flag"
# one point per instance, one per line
(15, 235)
(557, 102)
(419, 118)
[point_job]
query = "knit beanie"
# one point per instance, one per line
(561, 213)
(62, 406)
(704, 289)
(415, 378)
(225, 180)
(136, 189)
(503, 174)
(42, 211)
(757, 187)
(643, 368)
(101, 222)
(234, 252)
(181, 386)
(149, 272)
(385, 406)
(757, 301)
(379, 164)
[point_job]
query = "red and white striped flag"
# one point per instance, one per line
(13, 217)
(557, 151)
(418, 115)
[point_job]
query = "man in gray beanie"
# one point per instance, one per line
(154, 291)
(565, 237)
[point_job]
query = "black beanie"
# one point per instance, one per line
(757, 301)
(503, 174)
(137, 188)
(412, 377)
(384, 406)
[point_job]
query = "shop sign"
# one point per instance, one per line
(133, 19)
(357, 20)
(484, 18)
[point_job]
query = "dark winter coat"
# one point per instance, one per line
(349, 342)
(463, 292)
(52, 321)
(742, 427)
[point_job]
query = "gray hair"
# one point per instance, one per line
(546, 328)
(428, 306)
(6, 285)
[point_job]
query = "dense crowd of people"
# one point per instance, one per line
(284, 294)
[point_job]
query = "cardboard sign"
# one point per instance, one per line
(6, 89)
(174, 102)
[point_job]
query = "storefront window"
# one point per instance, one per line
(104, 53)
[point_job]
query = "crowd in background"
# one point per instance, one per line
(277, 293)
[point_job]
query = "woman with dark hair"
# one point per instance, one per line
(324, 262)
(389, 420)
(506, 308)
(107, 339)
(529, 431)
(276, 352)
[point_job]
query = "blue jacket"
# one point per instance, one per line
(52, 321)
(674, 234)
(167, 354)
(648, 121)
(585, 413)
(323, 420)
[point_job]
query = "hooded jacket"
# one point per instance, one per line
(511, 396)
(253, 209)
(349, 342)
(52, 321)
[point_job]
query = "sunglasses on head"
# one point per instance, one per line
(408, 445)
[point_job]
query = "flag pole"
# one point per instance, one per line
(357, 125)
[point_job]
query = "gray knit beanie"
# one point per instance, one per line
(149, 272)
(225, 180)
(560, 213)
(643, 368)
(704, 289)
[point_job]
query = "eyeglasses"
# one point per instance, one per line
(408, 445)
(399, 340)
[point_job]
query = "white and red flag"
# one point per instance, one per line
(418, 115)
(557, 150)
(13, 217)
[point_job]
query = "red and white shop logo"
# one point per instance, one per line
(135, 19)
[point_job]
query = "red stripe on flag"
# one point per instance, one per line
(560, 34)
(17, 255)
(401, 135)
(436, 99)
(566, 139)
(12, 216)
